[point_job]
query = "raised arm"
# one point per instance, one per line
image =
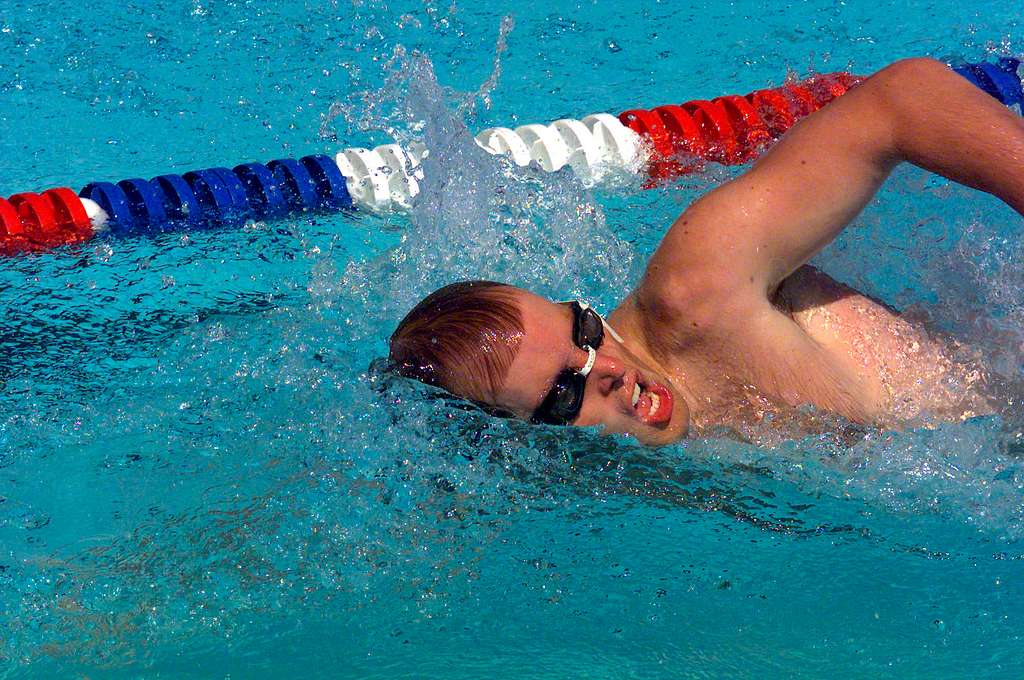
(746, 236)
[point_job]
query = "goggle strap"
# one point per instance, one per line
(611, 331)
(591, 358)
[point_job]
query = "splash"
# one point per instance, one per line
(483, 93)
(546, 233)
(480, 216)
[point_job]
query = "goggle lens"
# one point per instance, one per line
(562, 404)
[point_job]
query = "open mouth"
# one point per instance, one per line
(652, 403)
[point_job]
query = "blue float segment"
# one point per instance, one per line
(980, 79)
(214, 198)
(146, 203)
(237, 191)
(114, 202)
(330, 183)
(179, 201)
(264, 195)
(1004, 76)
(296, 184)
(1000, 81)
(967, 72)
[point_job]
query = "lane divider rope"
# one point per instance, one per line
(664, 141)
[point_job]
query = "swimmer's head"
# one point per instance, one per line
(463, 338)
(558, 363)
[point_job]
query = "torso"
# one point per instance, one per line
(895, 370)
(908, 374)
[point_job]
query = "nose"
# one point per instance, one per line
(608, 373)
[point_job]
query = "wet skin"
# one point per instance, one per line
(728, 317)
(546, 348)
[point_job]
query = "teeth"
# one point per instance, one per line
(655, 403)
(636, 394)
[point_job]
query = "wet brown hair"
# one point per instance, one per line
(463, 338)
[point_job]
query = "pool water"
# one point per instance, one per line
(205, 473)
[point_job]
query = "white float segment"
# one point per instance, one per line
(592, 147)
(368, 183)
(623, 146)
(97, 215)
(546, 146)
(383, 178)
(387, 177)
(404, 174)
(585, 154)
(505, 142)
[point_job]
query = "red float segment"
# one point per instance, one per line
(32, 222)
(684, 131)
(647, 124)
(773, 109)
(752, 132)
(740, 112)
(9, 220)
(666, 146)
(730, 129)
(72, 219)
(829, 86)
(38, 221)
(717, 129)
(801, 100)
(13, 239)
(38, 218)
(825, 88)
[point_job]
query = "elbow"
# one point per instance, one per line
(914, 68)
(896, 108)
(905, 80)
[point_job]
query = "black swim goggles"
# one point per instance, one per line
(562, 404)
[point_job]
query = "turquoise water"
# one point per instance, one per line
(203, 474)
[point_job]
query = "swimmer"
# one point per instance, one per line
(729, 323)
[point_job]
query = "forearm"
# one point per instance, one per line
(946, 125)
(756, 230)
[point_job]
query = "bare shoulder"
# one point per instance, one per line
(688, 307)
(690, 292)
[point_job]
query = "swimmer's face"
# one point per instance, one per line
(655, 413)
